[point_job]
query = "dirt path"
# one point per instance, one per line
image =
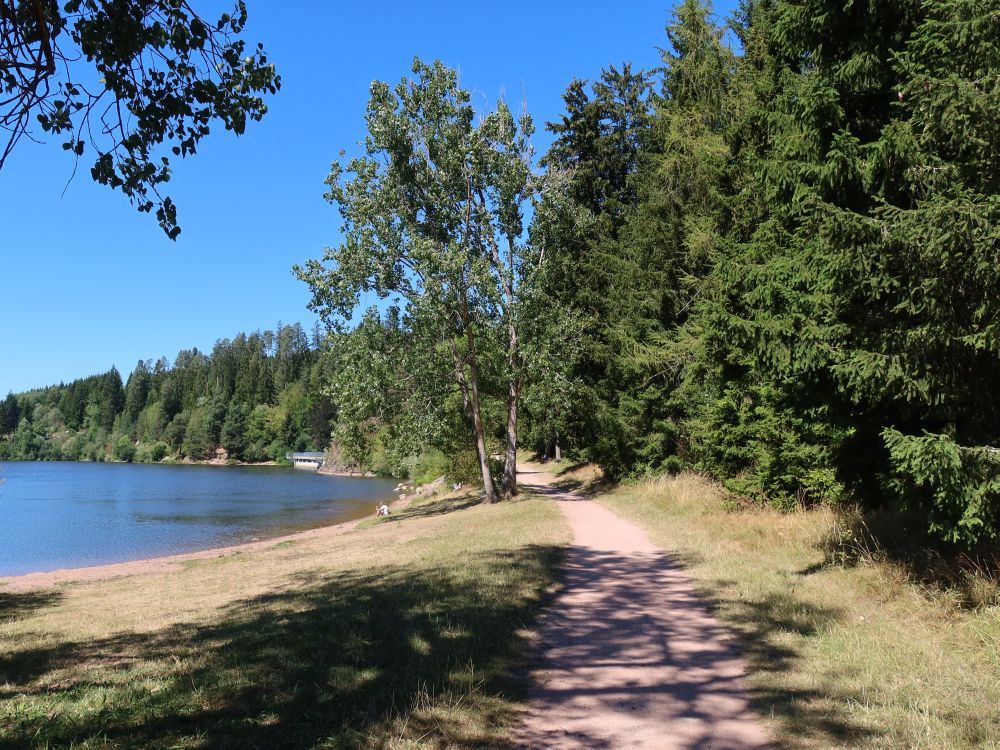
(629, 655)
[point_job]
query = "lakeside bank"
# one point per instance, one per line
(396, 632)
(67, 515)
(90, 573)
(410, 632)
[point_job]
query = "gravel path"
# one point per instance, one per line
(629, 656)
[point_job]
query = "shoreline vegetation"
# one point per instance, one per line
(252, 399)
(333, 472)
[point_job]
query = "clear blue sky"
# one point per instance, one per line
(87, 282)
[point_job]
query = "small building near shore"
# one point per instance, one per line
(307, 460)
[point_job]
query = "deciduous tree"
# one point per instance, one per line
(433, 215)
(127, 79)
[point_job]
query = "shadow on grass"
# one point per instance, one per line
(900, 536)
(589, 487)
(18, 604)
(568, 469)
(345, 660)
(438, 507)
(763, 628)
(585, 487)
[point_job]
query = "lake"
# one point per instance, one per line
(62, 515)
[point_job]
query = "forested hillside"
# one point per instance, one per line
(773, 260)
(251, 399)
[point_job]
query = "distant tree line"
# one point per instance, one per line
(772, 260)
(251, 399)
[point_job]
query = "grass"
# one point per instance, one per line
(853, 656)
(401, 635)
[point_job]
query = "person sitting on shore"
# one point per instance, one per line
(382, 510)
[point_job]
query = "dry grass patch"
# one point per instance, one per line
(400, 635)
(841, 656)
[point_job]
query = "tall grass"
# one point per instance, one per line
(850, 654)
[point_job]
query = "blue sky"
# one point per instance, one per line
(88, 282)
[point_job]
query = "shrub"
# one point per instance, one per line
(124, 449)
(464, 468)
(151, 453)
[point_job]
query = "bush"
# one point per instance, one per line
(957, 487)
(464, 468)
(150, 453)
(124, 449)
(429, 465)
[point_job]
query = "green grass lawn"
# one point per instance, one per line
(402, 634)
(840, 656)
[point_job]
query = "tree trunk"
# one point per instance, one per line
(510, 460)
(558, 451)
(477, 426)
(509, 488)
(474, 403)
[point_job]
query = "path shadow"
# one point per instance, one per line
(561, 489)
(585, 487)
(344, 659)
(685, 667)
(759, 636)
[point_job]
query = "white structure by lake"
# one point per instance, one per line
(307, 460)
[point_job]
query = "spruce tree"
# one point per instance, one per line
(10, 415)
(591, 164)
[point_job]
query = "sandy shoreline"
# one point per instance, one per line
(165, 563)
(29, 581)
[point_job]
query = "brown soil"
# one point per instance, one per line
(628, 656)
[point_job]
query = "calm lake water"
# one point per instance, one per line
(59, 515)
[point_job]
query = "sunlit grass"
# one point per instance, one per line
(400, 635)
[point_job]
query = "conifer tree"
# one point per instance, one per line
(10, 415)
(668, 242)
(591, 164)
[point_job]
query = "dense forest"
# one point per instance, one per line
(251, 399)
(772, 260)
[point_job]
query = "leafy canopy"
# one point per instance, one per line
(124, 79)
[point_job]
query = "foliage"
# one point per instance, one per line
(588, 191)
(960, 486)
(803, 259)
(433, 216)
(163, 74)
(10, 415)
